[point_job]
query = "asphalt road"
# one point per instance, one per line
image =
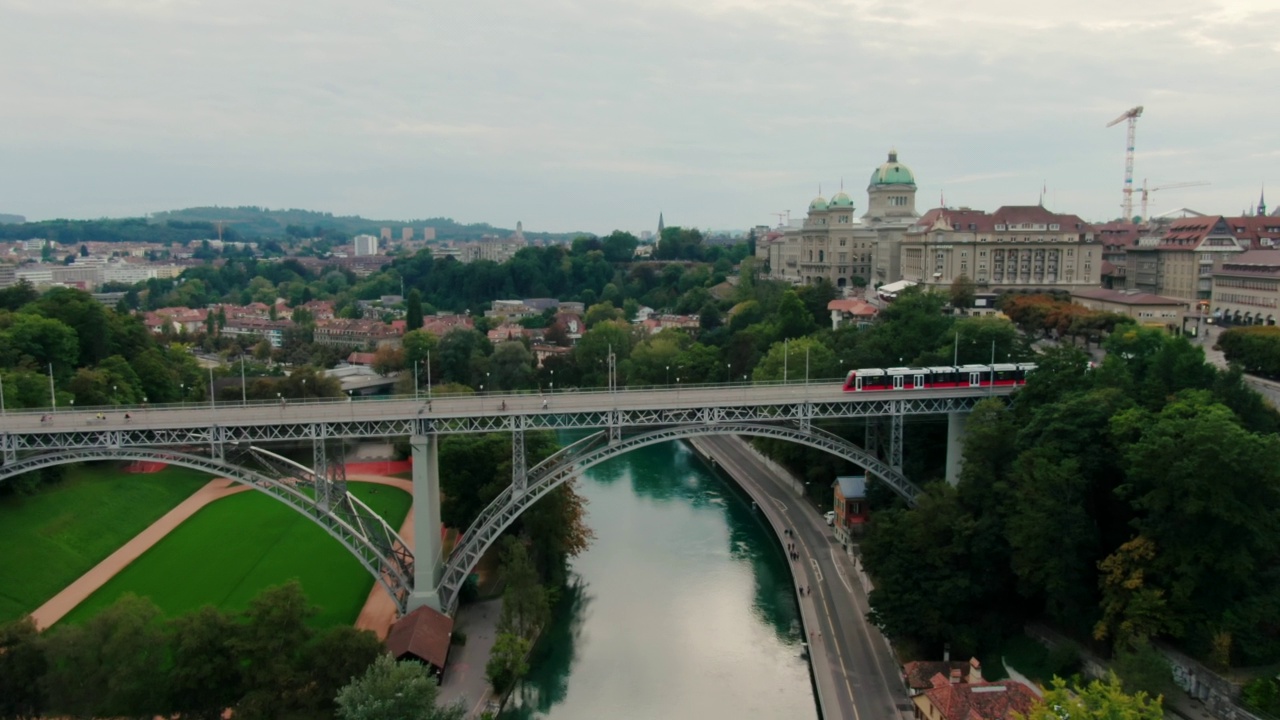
(230, 414)
(857, 674)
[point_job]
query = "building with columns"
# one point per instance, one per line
(834, 243)
(1018, 248)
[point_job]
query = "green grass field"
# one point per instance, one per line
(53, 537)
(235, 547)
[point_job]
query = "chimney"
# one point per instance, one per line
(975, 671)
(955, 676)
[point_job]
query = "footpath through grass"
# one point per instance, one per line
(233, 548)
(53, 537)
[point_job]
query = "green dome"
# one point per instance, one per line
(818, 203)
(842, 200)
(893, 173)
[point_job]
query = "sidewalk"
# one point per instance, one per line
(464, 678)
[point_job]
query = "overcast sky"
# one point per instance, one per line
(595, 115)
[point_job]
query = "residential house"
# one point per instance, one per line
(851, 508)
(950, 699)
(918, 675)
(844, 311)
(356, 333)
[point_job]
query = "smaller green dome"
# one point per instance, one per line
(841, 200)
(818, 203)
(893, 172)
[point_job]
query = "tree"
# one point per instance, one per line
(592, 352)
(336, 656)
(1099, 700)
(601, 312)
(791, 358)
(204, 679)
(507, 661)
(394, 690)
(512, 366)
(22, 665)
(962, 292)
(388, 360)
(1133, 609)
(1144, 670)
(619, 246)
(33, 341)
(557, 530)
(525, 605)
(794, 319)
(464, 357)
(269, 644)
(111, 666)
(413, 311)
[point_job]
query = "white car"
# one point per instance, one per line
(830, 517)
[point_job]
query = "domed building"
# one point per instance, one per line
(832, 242)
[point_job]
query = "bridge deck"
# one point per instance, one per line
(369, 418)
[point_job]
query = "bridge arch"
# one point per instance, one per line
(595, 449)
(357, 528)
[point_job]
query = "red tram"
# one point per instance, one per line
(963, 376)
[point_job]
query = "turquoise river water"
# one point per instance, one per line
(682, 607)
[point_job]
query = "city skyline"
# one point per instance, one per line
(575, 117)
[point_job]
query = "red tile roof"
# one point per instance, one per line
(853, 307)
(1008, 216)
(980, 701)
(424, 634)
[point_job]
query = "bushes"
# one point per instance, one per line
(1256, 348)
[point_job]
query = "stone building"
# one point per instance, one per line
(832, 242)
(1017, 248)
(1179, 262)
(1246, 288)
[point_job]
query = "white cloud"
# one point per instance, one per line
(596, 115)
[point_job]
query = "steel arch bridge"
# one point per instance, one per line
(602, 446)
(225, 440)
(323, 500)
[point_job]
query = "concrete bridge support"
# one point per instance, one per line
(956, 423)
(428, 554)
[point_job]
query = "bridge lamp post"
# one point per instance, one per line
(668, 382)
(415, 379)
(182, 394)
(115, 396)
(487, 382)
(728, 374)
(1, 395)
(304, 388)
(553, 382)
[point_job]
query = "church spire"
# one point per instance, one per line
(661, 226)
(1262, 202)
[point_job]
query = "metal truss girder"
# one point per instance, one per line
(376, 545)
(519, 465)
(266, 427)
(895, 441)
(595, 449)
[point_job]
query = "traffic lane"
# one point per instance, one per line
(864, 668)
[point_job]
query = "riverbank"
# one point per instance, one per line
(847, 651)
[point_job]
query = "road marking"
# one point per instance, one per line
(843, 578)
(831, 626)
(781, 505)
(817, 571)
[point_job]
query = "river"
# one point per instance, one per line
(682, 608)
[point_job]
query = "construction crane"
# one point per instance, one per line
(1132, 116)
(1147, 191)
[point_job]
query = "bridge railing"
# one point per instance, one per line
(422, 396)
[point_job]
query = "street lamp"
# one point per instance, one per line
(182, 393)
(728, 375)
(486, 379)
(115, 396)
(668, 382)
(304, 388)
(553, 382)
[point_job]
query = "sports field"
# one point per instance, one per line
(53, 537)
(233, 548)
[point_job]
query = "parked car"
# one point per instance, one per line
(830, 517)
